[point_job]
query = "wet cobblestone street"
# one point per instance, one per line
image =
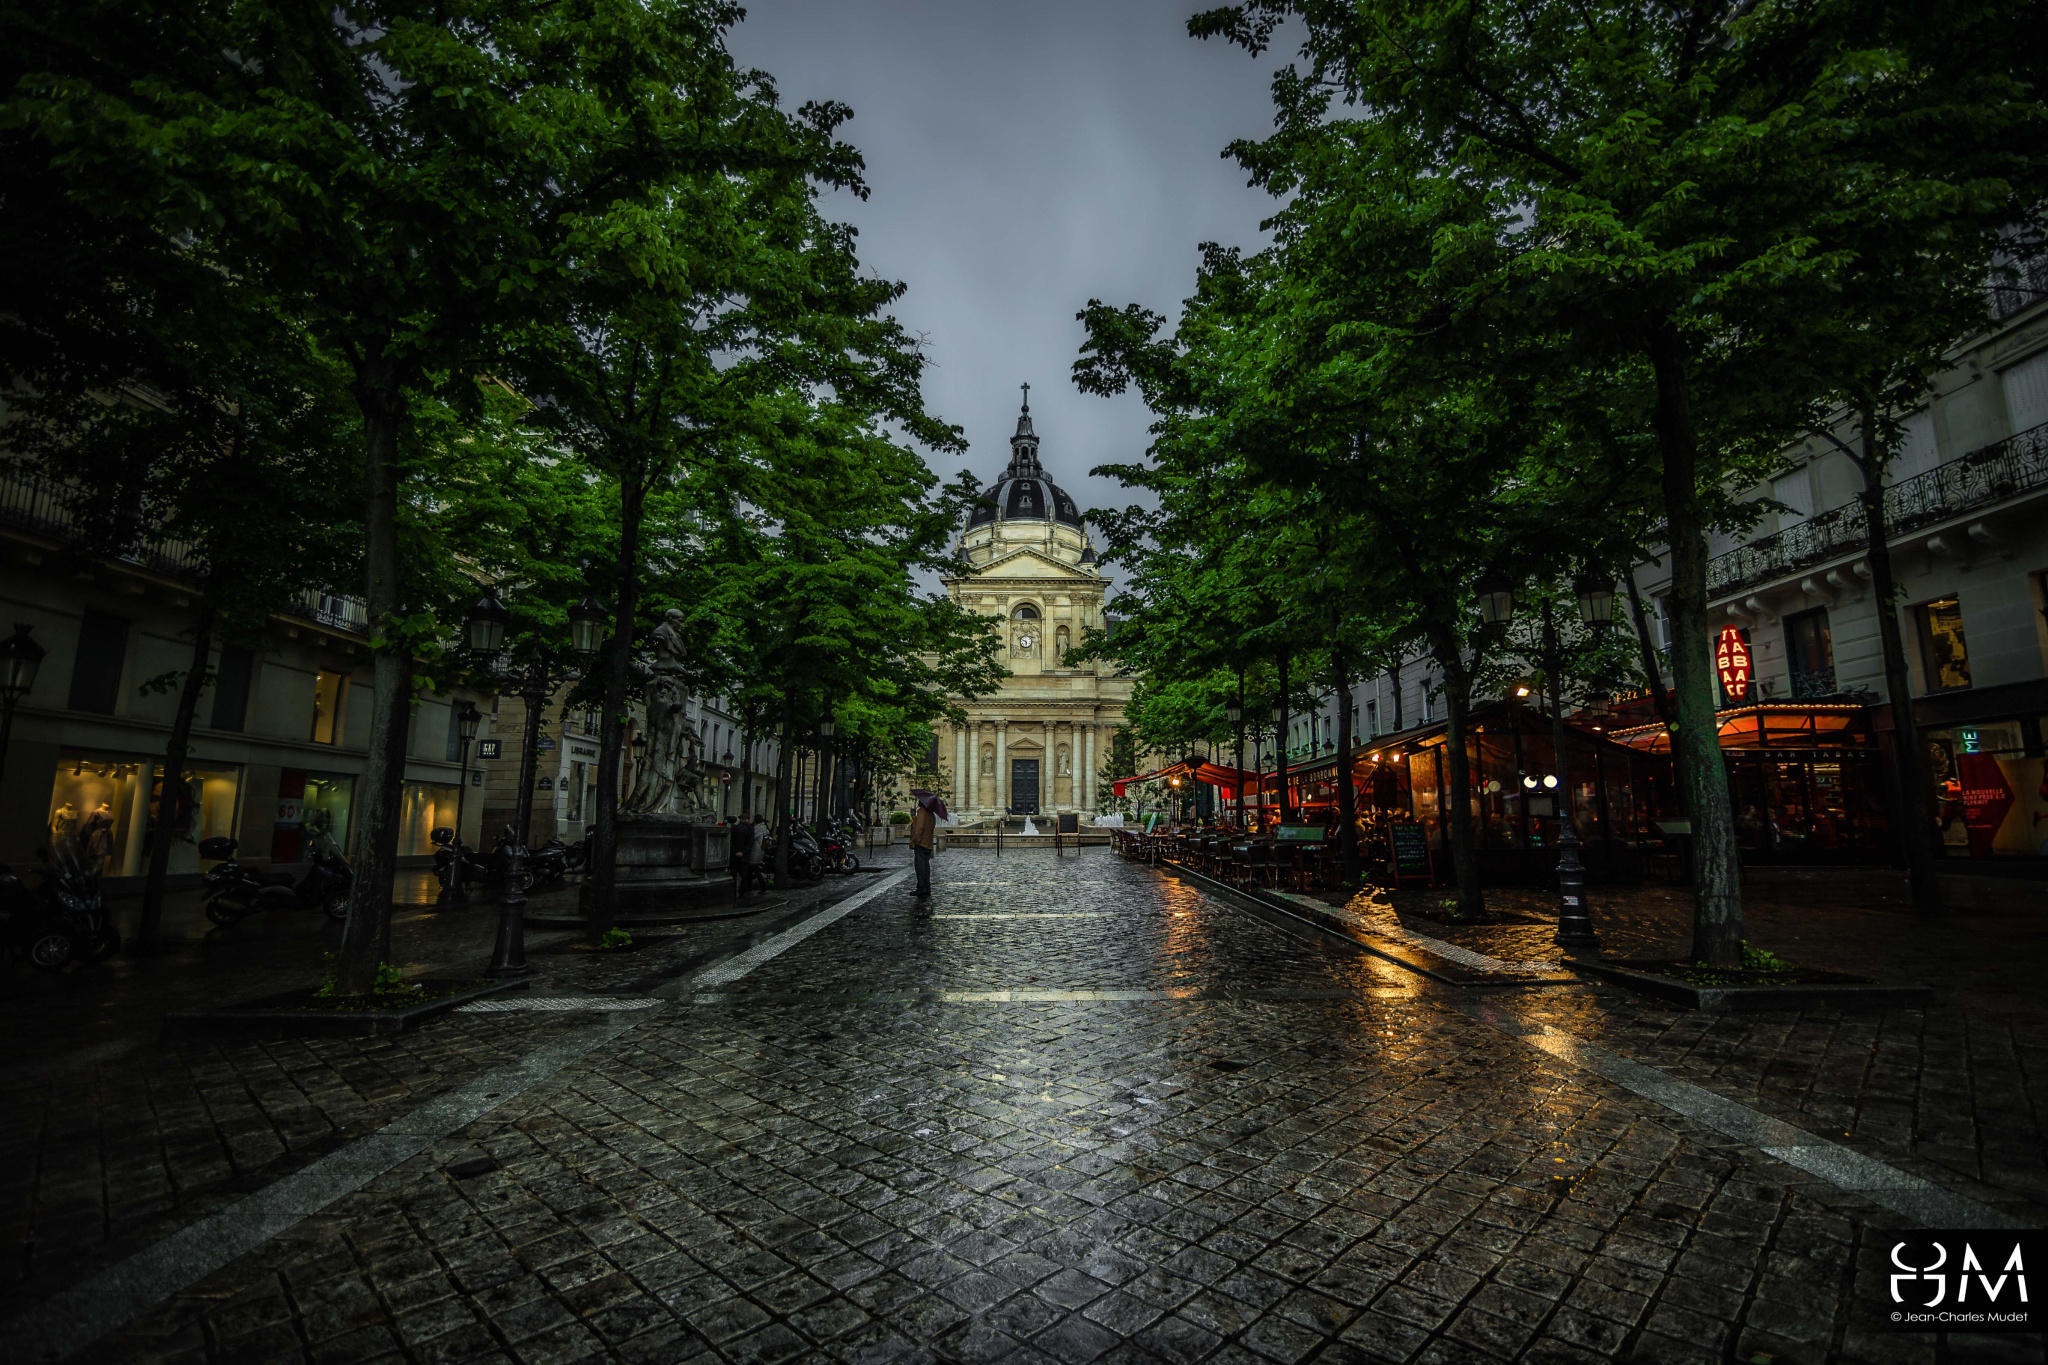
(1069, 1109)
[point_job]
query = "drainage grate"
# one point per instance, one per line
(545, 1003)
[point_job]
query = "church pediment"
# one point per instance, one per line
(1026, 562)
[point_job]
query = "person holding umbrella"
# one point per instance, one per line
(924, 823)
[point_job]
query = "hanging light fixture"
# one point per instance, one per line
(486, 627)
(1496, 597)
(1596, 599)
(586, 625)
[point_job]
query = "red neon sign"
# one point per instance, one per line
(1731, 661)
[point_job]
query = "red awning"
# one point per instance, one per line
(1215, 774)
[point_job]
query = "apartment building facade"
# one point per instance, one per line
(278, 748)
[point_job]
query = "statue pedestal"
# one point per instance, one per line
(665, 872)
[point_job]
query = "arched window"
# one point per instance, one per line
(1025, 612)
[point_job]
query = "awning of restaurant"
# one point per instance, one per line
(1215, 774)
(1780, 725)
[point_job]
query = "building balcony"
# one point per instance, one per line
(44, 509)
(1986, 476)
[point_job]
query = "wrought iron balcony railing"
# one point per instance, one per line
(1987, 475)
(47, 508)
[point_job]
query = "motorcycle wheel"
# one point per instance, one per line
(221, 913)
(814, 867)
(848, 865)
(336, 904)
(51, 949)
(97, 945)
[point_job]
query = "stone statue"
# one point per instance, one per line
(669, 740)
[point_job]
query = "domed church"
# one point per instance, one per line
(1037, 746)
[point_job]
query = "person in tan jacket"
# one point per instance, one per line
(924, 823)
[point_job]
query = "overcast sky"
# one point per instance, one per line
(1024, 157)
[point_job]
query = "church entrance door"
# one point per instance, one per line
(1023, 786)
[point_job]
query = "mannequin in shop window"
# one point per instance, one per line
(96, 834)
(63, 826)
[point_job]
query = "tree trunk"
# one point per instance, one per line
(1464, 845)
(1280, 745)
(1916, 787)
(601, 910)
(1347, 797)
(366, 935)
(746, 770)
(1695, 742)
(151, 931)
(785, 810)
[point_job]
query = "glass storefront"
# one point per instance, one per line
(309, 803)
(103, 810)
(1991, 796)
(423, 808)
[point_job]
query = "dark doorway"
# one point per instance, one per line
(1023, 786)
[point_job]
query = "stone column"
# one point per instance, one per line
(1084, 743)
(959, 767)
(1002, 767)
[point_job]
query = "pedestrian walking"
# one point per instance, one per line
(924, 824)
(746, 843)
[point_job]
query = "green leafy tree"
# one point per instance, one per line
(1657, 179)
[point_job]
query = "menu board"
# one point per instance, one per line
(1408, 846)
(1300, 834)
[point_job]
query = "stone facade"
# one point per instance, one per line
(1038, 745)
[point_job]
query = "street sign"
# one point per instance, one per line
(544, 745)
(546, 784)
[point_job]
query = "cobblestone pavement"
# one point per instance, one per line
(1068, 1110)
(1957, 1090)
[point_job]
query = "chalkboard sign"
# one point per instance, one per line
(1408, 846)
(1300, 834)
(1070, 823)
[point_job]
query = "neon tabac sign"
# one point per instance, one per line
(1732, 662)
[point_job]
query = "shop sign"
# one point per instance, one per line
(1986, 798)
(581, 750)
(489, 748)
(291, 812)
(1731, 661)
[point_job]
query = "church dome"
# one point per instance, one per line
(1024, 493)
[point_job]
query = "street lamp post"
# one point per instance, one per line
(1595, 593)
(1280, 754)
(1234, 709)
(824, 779)
(20, 657)
(533, 685)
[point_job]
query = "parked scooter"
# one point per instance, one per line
(233, 891)
(458, 867)
(548, 864)
(806, 857)
(576, 856)
(32, 924)
(75, 887)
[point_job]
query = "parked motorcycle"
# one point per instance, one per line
(806, 857)
(458, 866)
(233, 891)
(576, 856)
(32, 924)
(75, 886)
(836, 848)
(548, 864)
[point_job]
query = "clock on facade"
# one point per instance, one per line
(1024, 640)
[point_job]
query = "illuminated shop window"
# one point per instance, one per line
(1942, 649)
(330, 694)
